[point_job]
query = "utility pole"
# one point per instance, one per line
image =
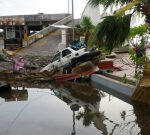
(72, 19)
(68, 6)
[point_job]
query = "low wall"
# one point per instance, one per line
(113, 87)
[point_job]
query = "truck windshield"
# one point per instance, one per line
(65, 52)
(56, 57)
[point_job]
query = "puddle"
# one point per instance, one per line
(69, 109)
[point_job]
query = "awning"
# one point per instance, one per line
(61, 26)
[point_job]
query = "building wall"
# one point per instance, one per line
(97, 13)
(92, 12)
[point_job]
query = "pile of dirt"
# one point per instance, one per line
(35, 63)
(86, 66)
(5, 65)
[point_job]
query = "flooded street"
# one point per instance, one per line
(69, 109)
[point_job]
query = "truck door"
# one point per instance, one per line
(57, 60)
(66, 57)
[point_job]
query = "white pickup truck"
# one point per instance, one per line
(69, 57)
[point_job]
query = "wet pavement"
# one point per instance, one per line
(38, 55)
(48, 46)
(69, 109)
(123, 60)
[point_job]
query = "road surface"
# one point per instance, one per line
(47, 46)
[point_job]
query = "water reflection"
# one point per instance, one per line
(69, 109)
(14, 94)
(130, 119)
(78, 95)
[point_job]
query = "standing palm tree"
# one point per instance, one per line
(114, 30)
(85, 28)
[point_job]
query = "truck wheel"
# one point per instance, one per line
(67, 70)
(73, 63)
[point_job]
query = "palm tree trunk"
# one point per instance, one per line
(86, 37)
(145, 9)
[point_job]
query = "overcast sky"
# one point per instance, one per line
(17, 7)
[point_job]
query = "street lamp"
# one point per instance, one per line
(68, 6)
(72, 20)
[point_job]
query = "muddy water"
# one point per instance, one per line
(69, 109)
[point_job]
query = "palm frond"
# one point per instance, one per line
(122, 11)
(79, 28)
(85, 28)
(112, 31)
(87, 23)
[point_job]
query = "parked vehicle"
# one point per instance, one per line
(70, 57)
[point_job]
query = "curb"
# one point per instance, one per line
(114, 85)
(12, 53)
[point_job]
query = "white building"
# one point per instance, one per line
(92, 12)
(96, 14)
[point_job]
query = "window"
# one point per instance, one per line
(10, 32)
(56, 57)
(65, 52)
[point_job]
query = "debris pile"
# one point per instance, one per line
(86, 66)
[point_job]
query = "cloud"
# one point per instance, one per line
(17, 7)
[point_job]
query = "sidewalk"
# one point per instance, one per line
(122, 60)
(128, 68)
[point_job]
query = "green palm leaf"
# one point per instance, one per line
(85, 28)
(122, 11)
(112, 31)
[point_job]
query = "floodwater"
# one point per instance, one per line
(69, 109)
